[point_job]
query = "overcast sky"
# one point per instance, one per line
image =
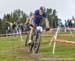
(65, 8)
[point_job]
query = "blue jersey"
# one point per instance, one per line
(38, 18)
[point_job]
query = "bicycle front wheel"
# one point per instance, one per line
(36, 43)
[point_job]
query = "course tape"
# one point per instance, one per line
(54, 29)
(12, 34)
(65, 41)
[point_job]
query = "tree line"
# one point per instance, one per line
(19, 16)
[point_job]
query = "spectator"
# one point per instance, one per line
(14, 27)
(72, 21)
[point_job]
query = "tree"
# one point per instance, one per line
(19, 16)
(16, 16)
(52, 17)
(55, 18)
(0, 26)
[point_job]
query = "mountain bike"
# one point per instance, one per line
(36, 39)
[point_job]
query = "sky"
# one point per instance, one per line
(65, 8)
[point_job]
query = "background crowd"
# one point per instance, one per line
(15, 22)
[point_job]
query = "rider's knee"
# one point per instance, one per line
(32, 29)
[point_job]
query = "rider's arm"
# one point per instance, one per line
(31, 18)
(47, 22)
(27, 21)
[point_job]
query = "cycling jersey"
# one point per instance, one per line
(38, 18)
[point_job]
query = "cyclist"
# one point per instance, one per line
(36, 20)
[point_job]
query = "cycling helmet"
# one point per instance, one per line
(43, 8)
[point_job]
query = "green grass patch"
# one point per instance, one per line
(12, 48)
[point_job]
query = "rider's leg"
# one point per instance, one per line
(30, 35)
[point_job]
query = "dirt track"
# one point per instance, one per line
(22, 52)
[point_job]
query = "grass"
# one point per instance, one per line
(7, 46)
(62, 50)
(12, 49)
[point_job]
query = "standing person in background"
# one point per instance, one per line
(14, 27)
(72, 21)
